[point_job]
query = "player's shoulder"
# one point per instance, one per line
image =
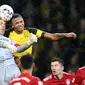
(32, 29)
(82, 68)
(36, 81)
(35, 78)
(25, 30)
(67, 74)
(48, 78)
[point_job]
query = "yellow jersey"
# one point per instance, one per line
(23, 38)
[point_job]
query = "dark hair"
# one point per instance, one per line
(16, 15)
(27, 61)
(58, 60)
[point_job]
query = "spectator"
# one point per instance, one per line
(73, 63)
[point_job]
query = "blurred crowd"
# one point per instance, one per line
(54, 16)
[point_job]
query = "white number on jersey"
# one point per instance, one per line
(17, 83)
(40, 83)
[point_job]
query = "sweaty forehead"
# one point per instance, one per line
(17, 19)
(56, 63)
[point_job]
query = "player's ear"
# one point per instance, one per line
(62, 68)
(33, 64)
(12, 26)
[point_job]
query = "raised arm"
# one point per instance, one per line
(53, 36)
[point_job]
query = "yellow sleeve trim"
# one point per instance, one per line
(39, 33)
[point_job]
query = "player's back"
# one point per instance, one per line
(25, 79)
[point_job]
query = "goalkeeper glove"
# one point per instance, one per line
(12, 48)
(32, 40)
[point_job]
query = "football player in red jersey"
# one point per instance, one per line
(26, 78)
(58, 76)
(80, 76)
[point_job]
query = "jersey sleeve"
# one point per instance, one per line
(39, 33)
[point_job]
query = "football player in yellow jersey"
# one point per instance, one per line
(20, 34)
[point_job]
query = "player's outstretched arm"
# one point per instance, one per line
(19, 48)
(57, 36)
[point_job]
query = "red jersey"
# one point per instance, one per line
(80, 75)
(83, 82)
(67, 79)
(25, 79)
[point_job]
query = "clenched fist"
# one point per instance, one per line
(71, 34)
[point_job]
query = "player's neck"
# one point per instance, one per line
(18, 32)
(29, 71)
(60, 76)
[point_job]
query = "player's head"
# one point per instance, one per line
(17, 23)
(57, 66)
(27, 61)
(2, 27)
